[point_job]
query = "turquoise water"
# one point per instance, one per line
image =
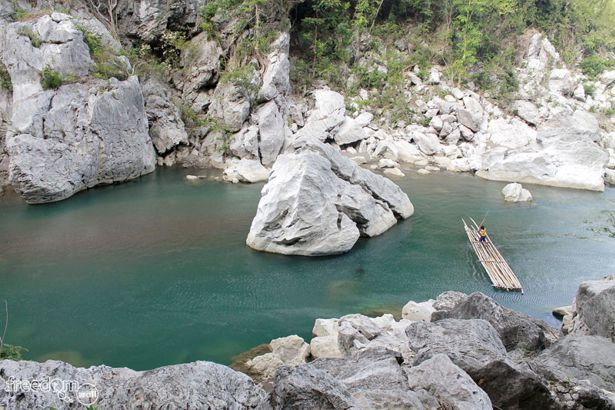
(156, 271)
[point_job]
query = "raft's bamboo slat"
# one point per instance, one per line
(499, 272)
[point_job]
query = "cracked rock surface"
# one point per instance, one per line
(318, 202)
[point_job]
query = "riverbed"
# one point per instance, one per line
(156, 271)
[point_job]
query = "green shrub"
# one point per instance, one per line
(589, 89)
(11, 352)
(51, 79)
(93, 41)
(5, 79)
(34, 38)
(111, 69)
(594, 65)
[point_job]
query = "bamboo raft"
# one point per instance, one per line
(501, 275)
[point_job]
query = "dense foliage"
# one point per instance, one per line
(476, 40)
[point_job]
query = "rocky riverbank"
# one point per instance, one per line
(457, 351)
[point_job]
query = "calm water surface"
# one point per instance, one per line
(156, 271)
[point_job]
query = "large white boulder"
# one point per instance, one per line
(510, 133)
(427, 143)
(328, 114)
(527, 111)
(418, 311)
(245, 170)
(566, 154)
(351, 131)
(318, 202)
(516, 193)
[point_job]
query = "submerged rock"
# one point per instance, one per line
(318, 202)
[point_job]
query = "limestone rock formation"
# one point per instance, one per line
(516, 330)
(451, 385)
(193, 385)
(313, 193)
(75, 137)
(594, 309)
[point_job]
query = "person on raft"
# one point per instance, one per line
(482, 233)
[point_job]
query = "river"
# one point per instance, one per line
(156, 271)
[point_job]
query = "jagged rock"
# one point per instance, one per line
(231, 104)
(470, 344)
(201, 62)
(285, 351)
(89, 137)
(579, 92)
(166, 127)
(587, 363)
(510, 133)
(560, 81)
(149, 19)
(516, 331)
(351, 131)
(327, 116)
(272, 132)
(448, 300)
(575, 358)
(514, 386)
(609, 176)
(314, 192)
(527, 111)
(566, 155)
(245, 170)
(276, 83)
(364, 119)
(467, 119)
(594, 308)
(194, 385)
(309, 388)
(436, 123)
(427, 143)
(371, 379)
(418, 311)
(407, 152)
(244, 144)
(448, 383)
(434, 76)
(516, 193)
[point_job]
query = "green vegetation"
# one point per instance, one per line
(589, 89)
(593, 65)
(11, 352)
(51, 79)
(475, 40)
(106, 62)
(5, 79)
(34, 38)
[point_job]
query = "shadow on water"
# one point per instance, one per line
(156, 271)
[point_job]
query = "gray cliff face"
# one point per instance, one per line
(82, 134)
